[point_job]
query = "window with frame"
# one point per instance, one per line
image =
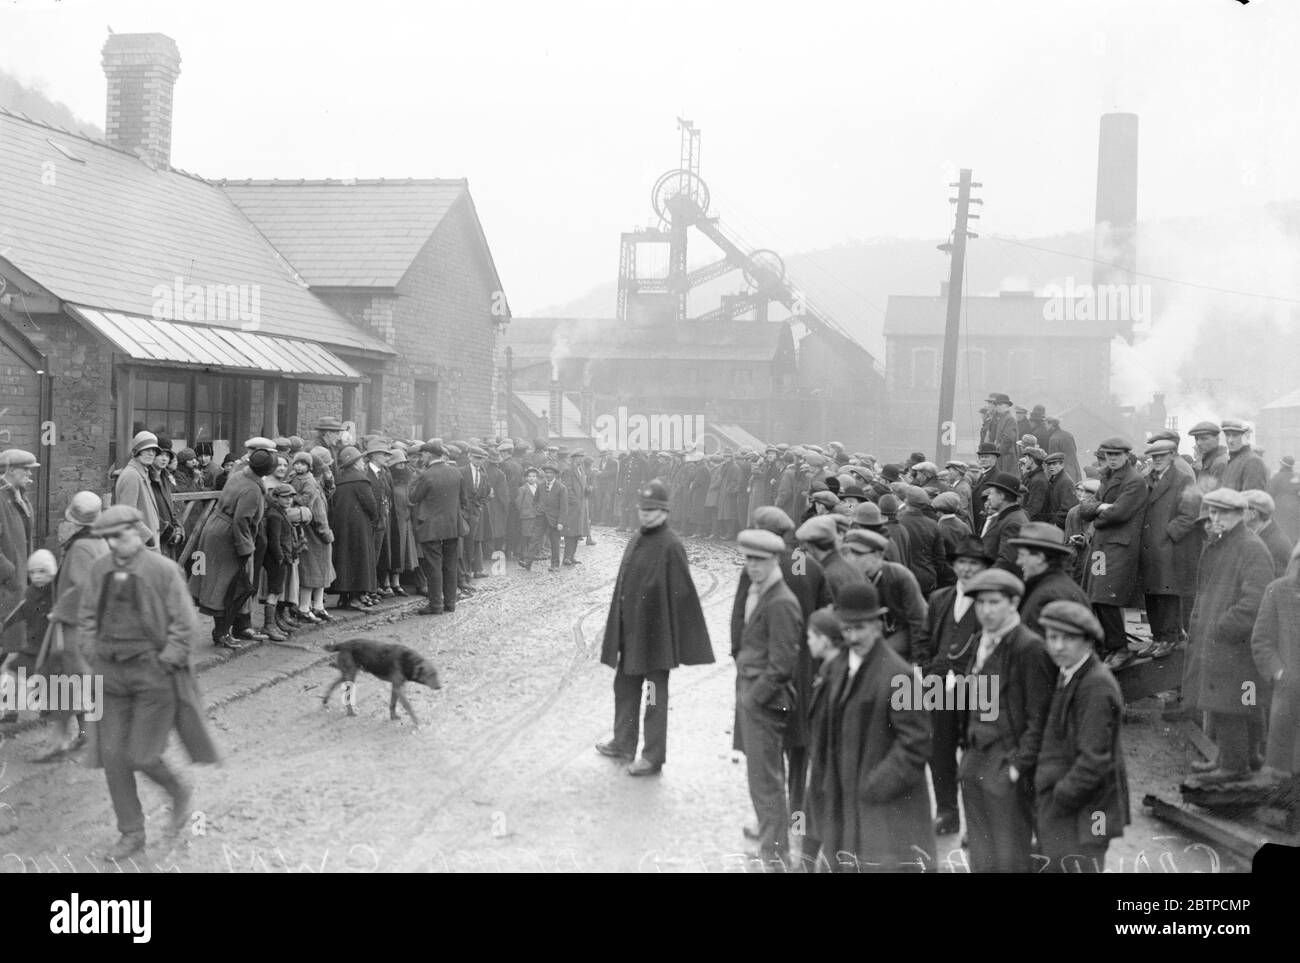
(188, 408)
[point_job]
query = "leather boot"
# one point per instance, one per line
(283, 620)
(269, 627)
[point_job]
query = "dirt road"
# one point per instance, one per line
(502, 775)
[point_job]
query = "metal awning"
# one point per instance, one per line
(201, 346)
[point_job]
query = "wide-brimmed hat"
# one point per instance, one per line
(143, 441)
(971, 546)
(349, 456)
(84, 508)
(329, 424)
(378, 445)
(1042, 536)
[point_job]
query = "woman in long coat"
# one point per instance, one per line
(222, 583)
(355, 514)
(1275, 644)
(406, 553)
(496, 510)
(315, 564)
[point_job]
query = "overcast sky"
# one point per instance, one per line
(821, 122)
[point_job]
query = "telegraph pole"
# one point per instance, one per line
(947, 431)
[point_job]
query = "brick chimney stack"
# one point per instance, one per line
(142, 69)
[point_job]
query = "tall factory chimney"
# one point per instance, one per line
(555, 410)
(1115, 237)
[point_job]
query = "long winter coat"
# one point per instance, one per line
(497, 510)
(1235, 570)
(316, 563)
(134, 488)
(758, 491)
(1060, 498)
(1036, 500)
(438, 503)
(1171, 537)
(732, 481)
(1117, 537)
(355, 516)
(15, 546)
(868, 801)
(655, 621)
(699, 478)
(229, 534)
(1006, 432)
(1275, 645)
(1245, 471)
(1062, 441)
(168, 615)
(997, 539)
(576, 516)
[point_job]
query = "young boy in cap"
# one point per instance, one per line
(765, 691)
(136, 607)
(997, 768)
(655, 624)
(1080, 782)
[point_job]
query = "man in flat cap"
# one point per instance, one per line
(819, 538)
(1060, 489)
(868, 802)
(904, 602)
(1245, 469)
(135, 606)
(1170, 547)
(1060, 440)
(329, 434)
(1004, 432)
(1211, 457)
(438, 506)
(997, 769)
(1003, 519)
(766, 660)
(1041, 554)
(1219, 672)
(655, 624)
(1259, 519)
(1117, 518)
(16, 517)
(1080, 784)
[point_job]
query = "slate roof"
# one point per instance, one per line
(96, 226)
(570, 417)
(606, 339)
(355, 233)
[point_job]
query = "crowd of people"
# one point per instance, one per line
(1008, 578)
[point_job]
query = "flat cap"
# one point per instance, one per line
(996, 580)
(1115, 444)
(1234, 425)
(1162, 446)
(889, 505)
(1204, 428)
(17, 458)
(282, 490)
(760, 543)
(1055, 458)
(1073, 618)
(820, 530)
(773, 519)
(1262, 502)
(929, 466)
(329, 424)
(254, 444)
(1227, 499)
(1034, 452)
(115, 519)
(916, 497)
(947, 503)
(960, 466)
(826, 498)
(865, 538)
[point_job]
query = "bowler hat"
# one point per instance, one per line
(988, 448)
(858, 602)
(997, 398)
(1039, 411)
(1006, 482)
(1043, 537)
(971, 546)
(349, 456)
(853, 491)
(1072, 618)
(867, 515)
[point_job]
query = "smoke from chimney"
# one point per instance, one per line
(141, 69)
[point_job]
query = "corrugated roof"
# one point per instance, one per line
(95, 225)
(1016, 316)
(147, 339)
(355, 233)
(534, 339)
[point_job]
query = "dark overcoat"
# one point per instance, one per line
(1169, 522)
(15, 547)
(868, 801)
(655, 621)
(438, 500)
(229, 534)
(1235, 570)
(355, 516)
(1117, 537)
(1052, 586)
(997, 538)
(1081, 775)
(1275, 645)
